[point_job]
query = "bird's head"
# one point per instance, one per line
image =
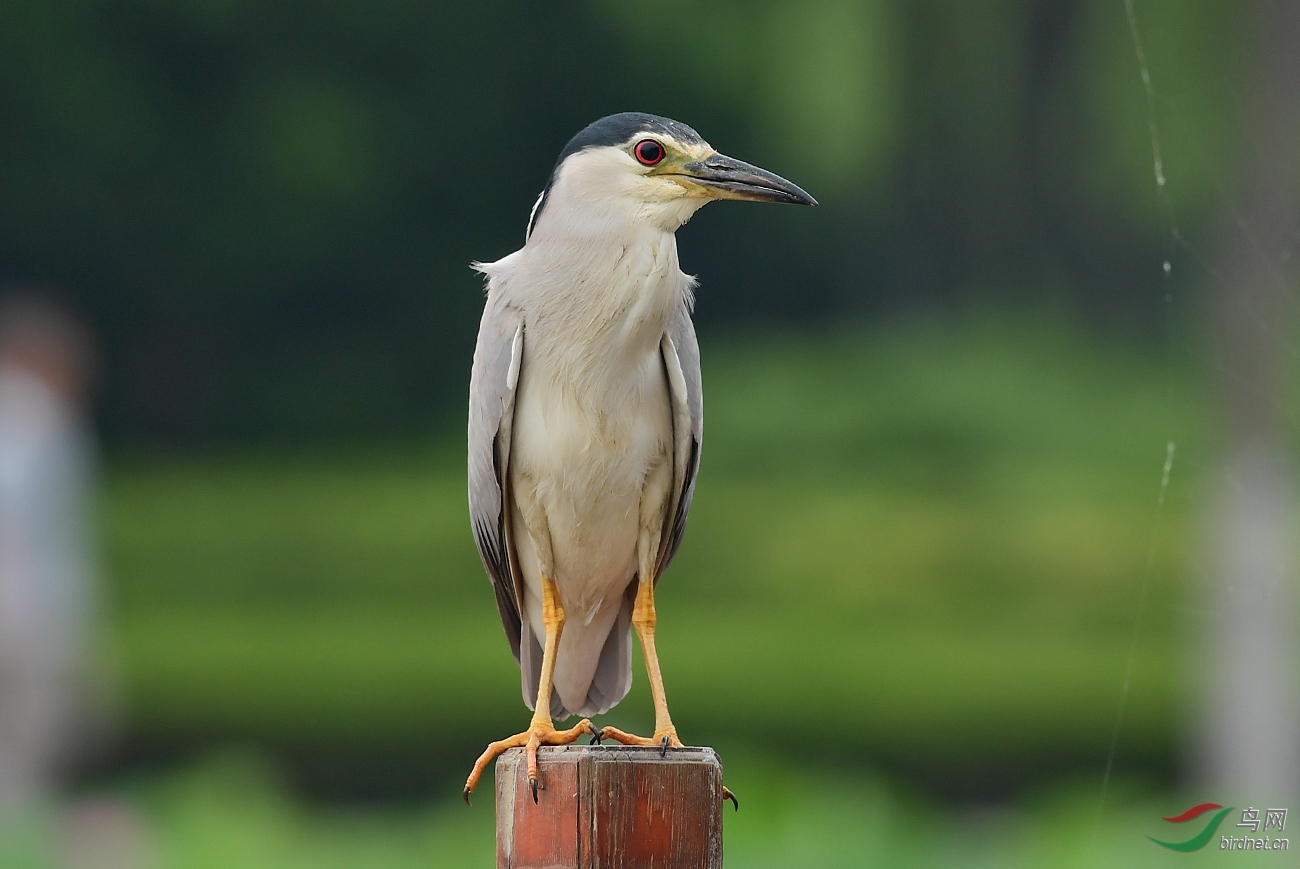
(648, 168)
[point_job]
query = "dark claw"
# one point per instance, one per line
(663, 746)
(532, 783)
(728, 795)
(595, 736)
(465, 796)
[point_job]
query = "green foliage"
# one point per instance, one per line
(232, 812)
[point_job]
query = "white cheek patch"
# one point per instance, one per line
(607, 183)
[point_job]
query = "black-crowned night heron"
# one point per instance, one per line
(586, 417)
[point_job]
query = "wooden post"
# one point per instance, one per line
(605, 806)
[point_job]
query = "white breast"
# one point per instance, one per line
(592, 410)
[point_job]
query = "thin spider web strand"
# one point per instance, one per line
(1150, 92)
(1134, 636)
(1175, 235)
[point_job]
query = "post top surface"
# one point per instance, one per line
(621, 753)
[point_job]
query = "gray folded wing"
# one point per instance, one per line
(497, 358)
(681, 354)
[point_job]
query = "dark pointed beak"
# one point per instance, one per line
(728, 178)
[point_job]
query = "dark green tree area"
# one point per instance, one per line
(268, 209)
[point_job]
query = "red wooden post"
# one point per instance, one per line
(605, 806)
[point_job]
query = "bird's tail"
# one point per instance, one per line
(612, 676)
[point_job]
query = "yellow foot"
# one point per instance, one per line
(665, 739)
(531, 739)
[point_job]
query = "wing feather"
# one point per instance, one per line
(681, 354)
(497, 358)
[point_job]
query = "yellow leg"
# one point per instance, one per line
(541, 731)
(643, 620)
(665, 737)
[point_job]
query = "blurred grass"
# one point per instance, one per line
(922, 546)
(231, 811)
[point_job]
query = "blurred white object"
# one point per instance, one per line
(1251, 719)
(47, 577)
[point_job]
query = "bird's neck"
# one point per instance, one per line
(597, 300)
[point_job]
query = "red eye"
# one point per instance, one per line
(648, 152)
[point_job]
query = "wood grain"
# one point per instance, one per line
(610, 807)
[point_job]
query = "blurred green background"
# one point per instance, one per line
(931, 510)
